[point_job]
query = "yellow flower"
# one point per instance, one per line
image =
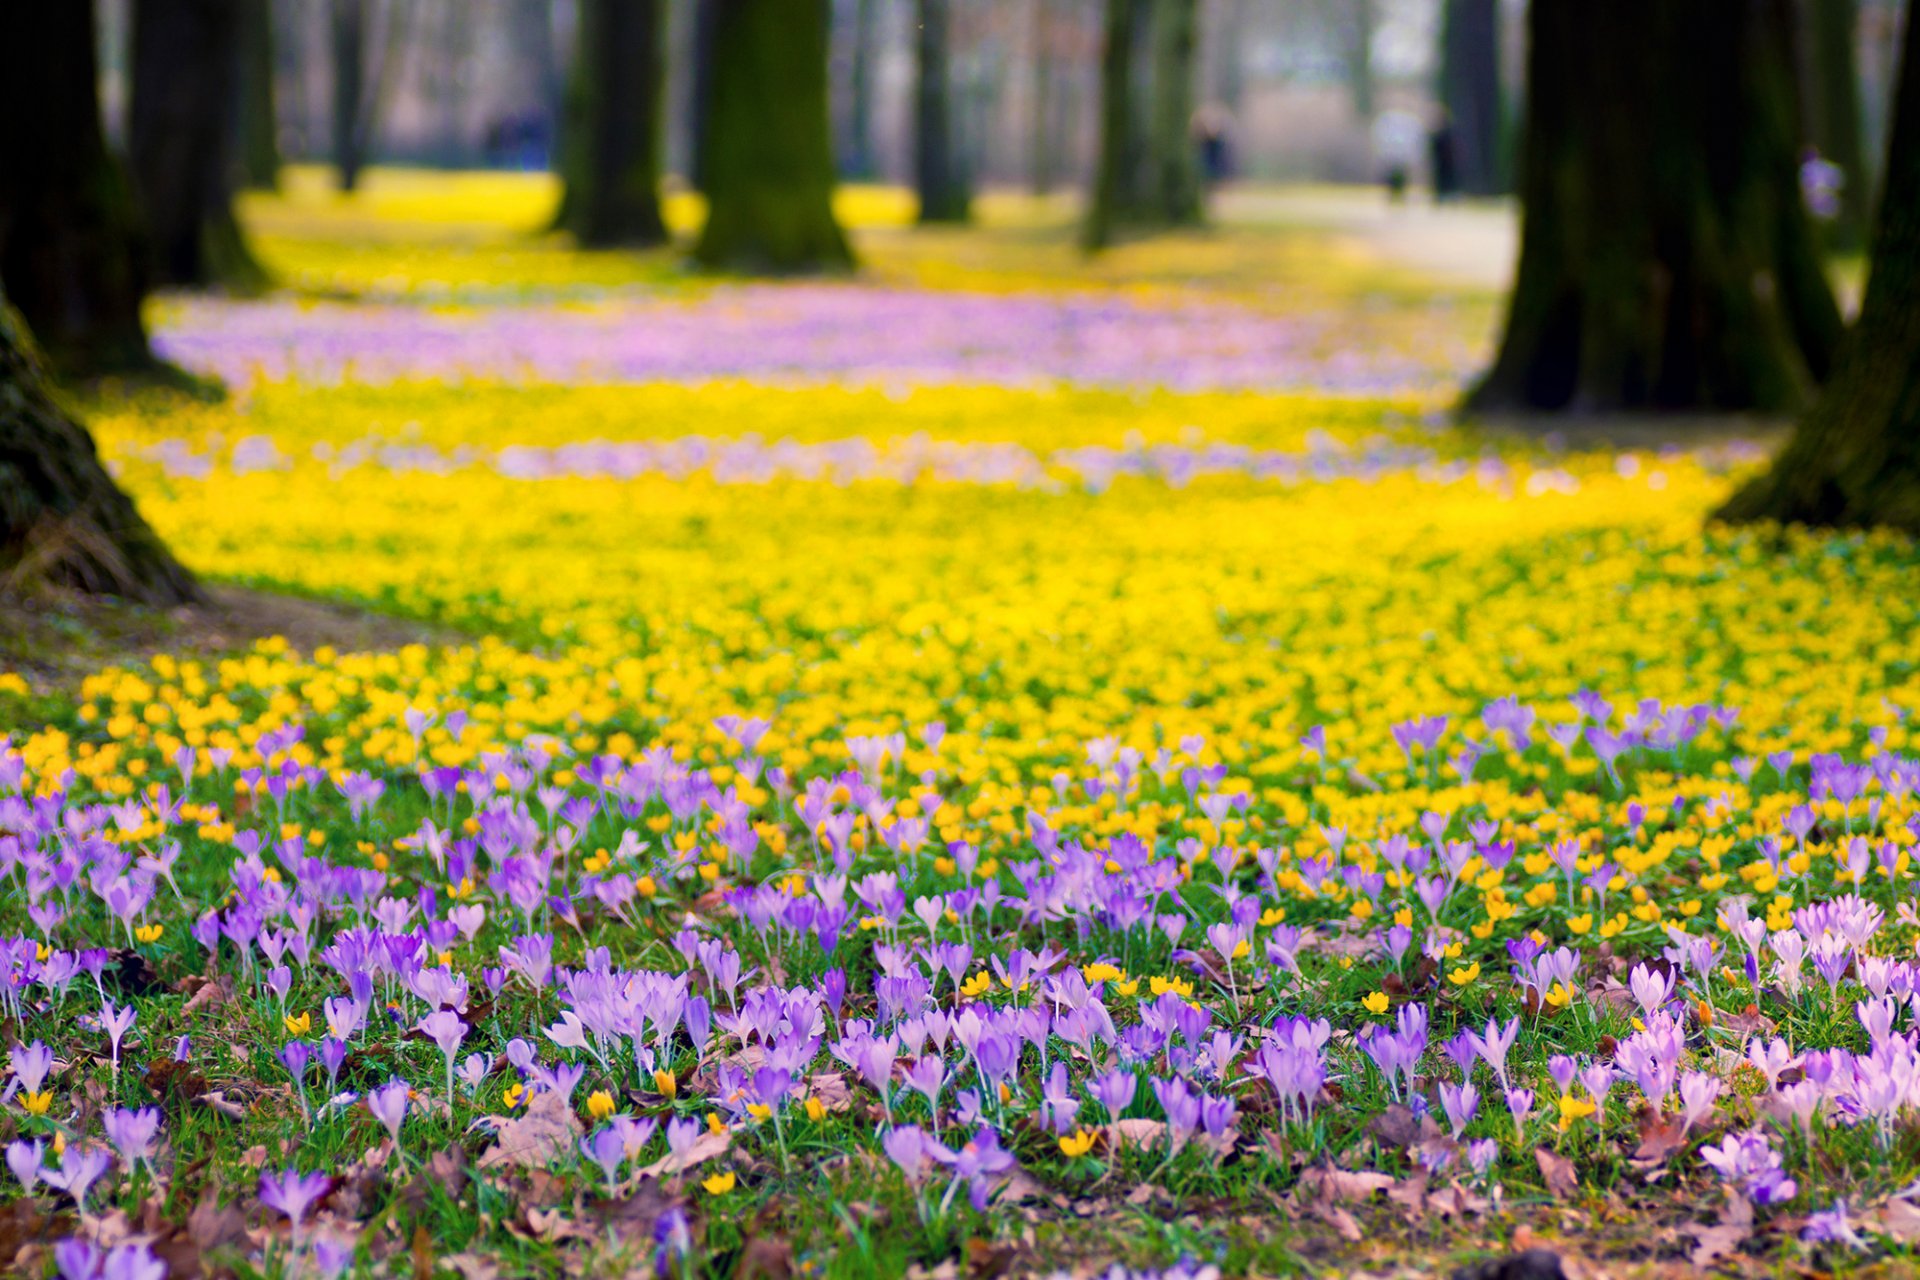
(600, 1104)
(759, 1110)
(1077, 1144)
(513, 1095)
(1464, 977)
(298, 1025)
(1375, 1001)
(978, 985)
(149, 932)
(1100, 971)
(36, 1104)
(665, 1083)
(719, 1184)
(1160, 986)
(1573, 1109)
(1560, 995)
(714, 1124)
(816, 1110)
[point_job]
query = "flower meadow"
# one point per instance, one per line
(888, 823)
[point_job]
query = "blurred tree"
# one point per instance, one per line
(767, 141)
(706, 22)
(856, 158)
(1043, 163)
(1360, 58)
(1148, 173)
(71, 256)
(186, 81)
(939, 173)
(1855, 458)
(1833, 123)
(1667, 261)
(1470, 95)
(360, 88)
(258, 119)
(62, 518)
(612, 149)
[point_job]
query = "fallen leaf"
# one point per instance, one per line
(1561, 1178)
(1712, 1243)
(705, 1148)
(1331, 1186)
(764, 1258)
(830, 1087)
(1411, 1194)
(472, 1266)
(1661, 1138)
(422, 1252)
(547, 1131)
(1900, 1219)
(1136, 1133)
(1528, 1264)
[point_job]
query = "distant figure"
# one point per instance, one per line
(1212, 125)
(1398, 138)
(1443, 154)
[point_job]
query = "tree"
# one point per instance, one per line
(1667, 261)
(939, 174)
(360, 88)
(186, 80)
(258, 118)
(1855, 457)
(71, 257)
(856, 160)
(1833, 110)
(767, 143)
(1470, 94)
(62, 518)
(614, 134)
(1148, 173)
(1041, 167)
(1360, 58)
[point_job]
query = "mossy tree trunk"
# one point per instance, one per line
(768, 145)
(1470, 92)
(71, 256)
(939, 176)
(856, 158)
(1148, 171)
(1855, 458)
(62, 518)
(1667, 262)
(614, 132)
(1833, 124)
(258, 117)
(186, 79)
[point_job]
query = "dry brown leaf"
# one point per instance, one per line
(1900, 1219)
(1331, 1186)
(764, 1258)
(708, 1146)
(830, 1087)
(1712, 1243)
(547, 1131)
(1661, 1138)
(1411, 1194)
(1136, 1133)
(472, 1266)
(1561, 1178)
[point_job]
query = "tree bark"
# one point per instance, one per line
(768, 142)
(71, 257)
(1667, 261)
(258, 120)
(1471, 95)
(614, 138)
(1148, 174)
(1176, 161)
(1360, 60)
(939, 176)
(1855, 458)
(186, 77)
(1042, 165)
(857, 158)
(706, 23)
(62, 518)
(1833, 125)
(349, 31)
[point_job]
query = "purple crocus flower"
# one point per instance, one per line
(293, 1193)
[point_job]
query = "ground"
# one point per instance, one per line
(1006, 764)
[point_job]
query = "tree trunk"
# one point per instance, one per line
(1855, 459)
(939, 178)
(857, 162)
(1667, 261)
(1470, 94)
(186, 74)
(1148, 173)
(349, 89)
(1360, 60)
(706, 23)
(258, 120)
(1176, 161)
(768, 142)
(614, 137)
(71, 258)
(1833, 126)
(1042, 164)
(62, 518)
